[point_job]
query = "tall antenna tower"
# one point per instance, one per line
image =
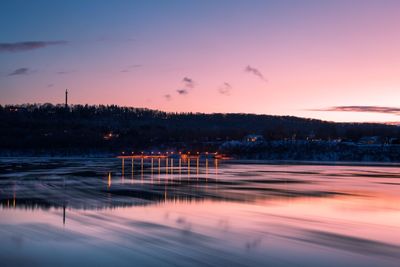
(66, 98)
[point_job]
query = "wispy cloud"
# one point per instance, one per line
(225, 89)
(167, 97)
(255, 72)
(182, 91)
(188, 82)
(131, 67)
(20, 71)
(374, 109)
(25, 46)
(62, 72)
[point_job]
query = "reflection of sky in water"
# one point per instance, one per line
(238, 214)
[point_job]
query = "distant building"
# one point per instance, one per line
(110, 136)
(370, 140)
(253, 138)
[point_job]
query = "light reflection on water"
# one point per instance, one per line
(174, 212)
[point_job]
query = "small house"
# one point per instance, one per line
(251, 138)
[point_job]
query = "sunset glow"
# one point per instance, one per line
(199, 133)
(296, 58)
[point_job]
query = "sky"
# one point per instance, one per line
(331, 60)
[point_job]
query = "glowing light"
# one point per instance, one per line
(109, 179)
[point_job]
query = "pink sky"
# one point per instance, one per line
(312, 55)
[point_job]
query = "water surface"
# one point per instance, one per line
(105, 212)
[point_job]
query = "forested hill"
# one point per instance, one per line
(108, 128)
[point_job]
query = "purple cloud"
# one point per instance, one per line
(62, 72)
(375, 109)
(167, 97)
(255, 72)
(20, 71)
(225, 89)
(131, 67)
(188, 82)
(182, 91)
(25, 46)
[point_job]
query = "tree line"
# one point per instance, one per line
(112, 127)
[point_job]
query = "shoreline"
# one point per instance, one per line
(236, 161)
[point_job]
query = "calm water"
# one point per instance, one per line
(104, 212)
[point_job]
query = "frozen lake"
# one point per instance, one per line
(105, 212)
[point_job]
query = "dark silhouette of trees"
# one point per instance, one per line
(47, 127)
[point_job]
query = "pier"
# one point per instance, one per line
(159, 155)
(169, 165)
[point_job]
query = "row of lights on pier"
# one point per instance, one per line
(170, 153)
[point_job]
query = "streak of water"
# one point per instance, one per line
(67, 212)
